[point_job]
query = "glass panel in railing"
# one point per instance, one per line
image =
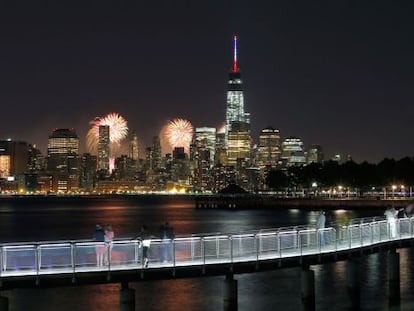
(404, 227)
(19, 258)
(288, 242)
(124, 253)
(188, 251)
(89, 254)
(217, 249)
(55, 257)
(308, 241)
(268, 244)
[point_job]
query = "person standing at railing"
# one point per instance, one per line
(145, 243)
(391, 215)
(100, 248)
(109, 237)
(320, 225)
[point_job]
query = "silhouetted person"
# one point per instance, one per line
(145, 242)
(100, 249)
(320, 225)
(391, 215)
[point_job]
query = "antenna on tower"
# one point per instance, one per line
(235, 67)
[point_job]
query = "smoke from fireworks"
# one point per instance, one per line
(118, 131)
(178, 133)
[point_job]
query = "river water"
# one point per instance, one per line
(278, 290)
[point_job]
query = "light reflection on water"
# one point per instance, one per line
(258, 291)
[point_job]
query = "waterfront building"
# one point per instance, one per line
(202, 170)
(205, 137)
(13, 158)
(268, 149)
(314, 154)
(36, 161)
(293, 153)
(133, 150)
(222, 176)
(63, 159)
(156, 155)
(220, 153)
(180, 170)
(88, 172)
(238, 143)
(104, 148)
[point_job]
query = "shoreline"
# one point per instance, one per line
(233, 202)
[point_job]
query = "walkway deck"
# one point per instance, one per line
(62, 263)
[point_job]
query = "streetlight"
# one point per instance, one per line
(393, 187)
(340, 191)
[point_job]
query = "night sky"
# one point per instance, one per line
(335, 73)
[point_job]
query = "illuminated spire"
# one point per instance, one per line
(235, 67)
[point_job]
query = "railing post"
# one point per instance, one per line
(279, 242)
(217, 247)
(72, 259)
(231, 250)
(350, 236)
(192, 248)
(4, 257)
(257, 247)
(1, 262)
(203, 254)
(37, 259)
(136, 252)
(173, 249)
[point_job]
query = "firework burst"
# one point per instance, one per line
(178, 133)
(118, 131)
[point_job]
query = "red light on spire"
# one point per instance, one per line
(235, 67)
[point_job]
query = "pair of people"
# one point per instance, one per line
(103, 249)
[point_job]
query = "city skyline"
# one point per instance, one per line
(336, 75)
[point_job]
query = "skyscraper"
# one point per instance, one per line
(63, 160)
(237, 120)
(205, 137)
(103, 148)
(13, 158)
(133, 147)
(292, 151)
(63, 151)
(268, 152)
(235, 99)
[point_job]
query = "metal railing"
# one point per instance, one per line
(40, 258)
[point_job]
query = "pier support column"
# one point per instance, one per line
(127, 298)
(393, 278)
(4, 303)
(230, 293)
(353, 283)
(307, 289)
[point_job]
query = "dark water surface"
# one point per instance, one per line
(278, 290)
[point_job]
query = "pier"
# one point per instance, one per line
(73, 263)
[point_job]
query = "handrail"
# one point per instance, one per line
(60, 257)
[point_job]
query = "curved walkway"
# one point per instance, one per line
(77, 258)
